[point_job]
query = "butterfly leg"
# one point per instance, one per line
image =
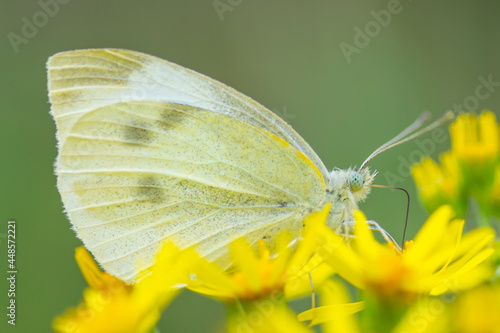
(347, 229)
(372, 225)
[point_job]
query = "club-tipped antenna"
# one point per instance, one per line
(411, 133)
(407, 208)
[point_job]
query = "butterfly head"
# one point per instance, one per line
(348, 188)
(352, 184)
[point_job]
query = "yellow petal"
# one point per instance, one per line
(490, 132)
(364, 241)
(336, 309)
(349, 265)
(326, 313)
(246, 262)
(213, 281)
(448, 278)
(445, 252)
(309, 254)
(279, 266)
(95, 278)
(430, 235)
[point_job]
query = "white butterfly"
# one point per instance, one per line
(150, 151)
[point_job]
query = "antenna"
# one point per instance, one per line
(407, 208)
(411, 133)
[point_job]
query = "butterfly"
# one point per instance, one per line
(150, 151)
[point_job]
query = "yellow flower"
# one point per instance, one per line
(257, 274)
(109, 305)
(440, 259)
(470, 169)
(438, 185)
(476, 141)
(475, 310)
(264, 315)
(257, 286)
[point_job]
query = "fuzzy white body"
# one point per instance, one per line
(344, 200)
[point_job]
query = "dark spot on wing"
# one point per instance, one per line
(151, 189)
(170, 119)
(135, 133)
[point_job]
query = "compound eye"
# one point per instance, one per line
(355, 181)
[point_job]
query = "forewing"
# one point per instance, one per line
(135, 174)
(81, 81)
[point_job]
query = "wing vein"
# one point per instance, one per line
(158, 240)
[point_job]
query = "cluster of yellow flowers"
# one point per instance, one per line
(442, 281)
(469, 173)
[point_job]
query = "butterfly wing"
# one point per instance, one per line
(134, 174)
(83, 80)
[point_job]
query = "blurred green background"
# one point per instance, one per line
(288, 55)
